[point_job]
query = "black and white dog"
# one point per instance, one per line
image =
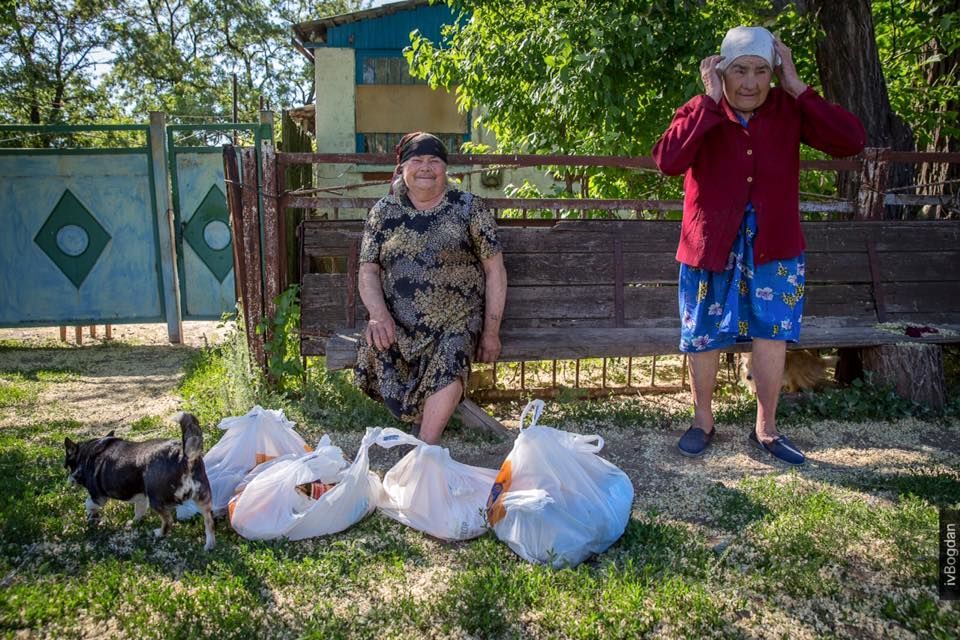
(160, 474)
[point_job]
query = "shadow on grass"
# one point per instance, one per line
(624, 592)
(936, 488)
(95, 360)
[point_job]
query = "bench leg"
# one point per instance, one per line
(473, 417)
(849, 365)
(915, 370)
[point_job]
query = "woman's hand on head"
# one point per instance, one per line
(710, 75)
(381, 332)
(786, 71)
(489, 348)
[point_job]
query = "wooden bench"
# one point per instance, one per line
(608, 288)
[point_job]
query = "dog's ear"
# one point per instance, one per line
(110, 435)
(69, 445)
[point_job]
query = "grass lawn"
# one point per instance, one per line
(728, 546)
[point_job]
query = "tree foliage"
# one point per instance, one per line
(74, 61)
(919, 43)
(47, 60)
(575, 76)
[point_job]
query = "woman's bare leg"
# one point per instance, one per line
(437, 411)
(703, 379)
(768, 360)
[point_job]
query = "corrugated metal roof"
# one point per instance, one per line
(316, 31)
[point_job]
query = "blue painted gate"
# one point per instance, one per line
(201, 220)
(81, 240)
(95, 234)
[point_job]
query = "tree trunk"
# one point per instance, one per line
(851, 76)
(914, 370)
(942, 176)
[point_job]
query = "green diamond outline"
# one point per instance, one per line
(213, 207)
(70, 211)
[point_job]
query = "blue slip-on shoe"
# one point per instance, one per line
(695, 441)
(781, 449)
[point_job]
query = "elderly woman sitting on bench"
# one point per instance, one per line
(741, 245)
(433, 282)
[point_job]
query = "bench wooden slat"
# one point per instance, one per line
(569, 344)
(561, 297)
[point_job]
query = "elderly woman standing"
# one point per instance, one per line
(741, 245)
(433, 282)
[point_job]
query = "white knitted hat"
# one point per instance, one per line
(747, 41)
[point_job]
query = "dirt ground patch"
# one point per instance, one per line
(113, 386)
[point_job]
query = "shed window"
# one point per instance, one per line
(387, 70)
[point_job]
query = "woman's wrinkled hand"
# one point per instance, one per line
(489, 348)
(710, 75)
(381, 332)
(786, 71)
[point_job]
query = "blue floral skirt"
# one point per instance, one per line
(743, 301)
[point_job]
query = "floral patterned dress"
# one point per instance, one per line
(744, 301)
(433, 284)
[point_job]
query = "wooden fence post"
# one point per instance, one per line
(273, 259)
(250, 237)
(231, 174)
(293, 139)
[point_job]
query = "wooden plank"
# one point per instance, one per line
(656, 236)
(317, 239)
(323, 300)
(651, 302)
(312, 346)
(543, 269)
(353, 295)
(473, 417)
(910, 267)
(396, 108)
(250, 237)
(569, 237)
(900, 236)
(573, 302)
(231, 174)
(273, 259)
(570, 344)
(922, 298)
(875, 281)
(617, 283)
(342, 349)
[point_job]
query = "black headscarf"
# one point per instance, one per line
(419, 143)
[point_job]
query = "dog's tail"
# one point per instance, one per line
(192, 437)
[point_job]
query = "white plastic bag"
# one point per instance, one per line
(555, 501)
(251, 439)
(431, 492)
(270, 506)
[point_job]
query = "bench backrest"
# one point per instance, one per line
(613, 273)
